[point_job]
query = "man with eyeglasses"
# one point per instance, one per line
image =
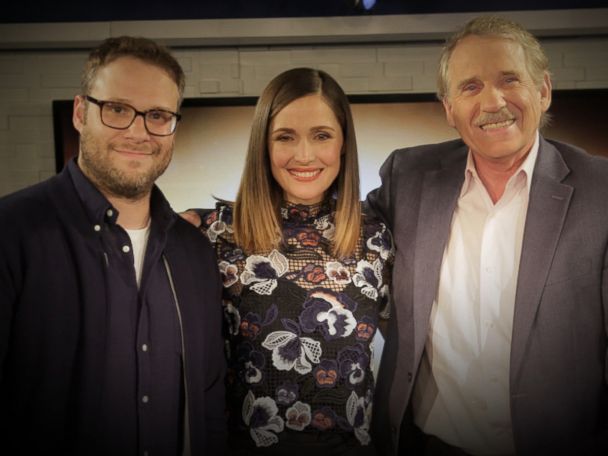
(110, 314)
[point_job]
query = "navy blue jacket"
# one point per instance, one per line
(53, 331)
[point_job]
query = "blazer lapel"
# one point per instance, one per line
(439, 195)
(547, 208)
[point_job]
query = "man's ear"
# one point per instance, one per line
(448, 111)
(545, 93)
(79, 113)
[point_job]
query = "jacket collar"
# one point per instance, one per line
(99, 209)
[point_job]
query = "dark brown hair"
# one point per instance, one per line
(140, 48)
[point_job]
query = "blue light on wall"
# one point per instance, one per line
(364, 5)
(368, 4)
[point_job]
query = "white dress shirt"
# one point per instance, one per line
(462, 390)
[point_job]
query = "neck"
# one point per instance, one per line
(133, 214)
(495, 174)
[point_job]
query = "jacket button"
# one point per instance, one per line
(409, 377)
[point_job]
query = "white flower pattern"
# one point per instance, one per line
(261, 416)
(233, 317)
(327, 228)
(216, 228)
(369, 277)
(292, 352)
(263, 272)
(337, 272)
(382, 243)
(229, 273)
(298, 416)
(252, 373)
(358, 414)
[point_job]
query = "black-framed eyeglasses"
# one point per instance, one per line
(158, 122)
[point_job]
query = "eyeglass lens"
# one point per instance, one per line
(118, 115)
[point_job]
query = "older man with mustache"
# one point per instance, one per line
(497, 342)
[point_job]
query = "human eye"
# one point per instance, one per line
(469, 87)
(282, 137)
(511, 79)
(323, 136)
(159, 116)
(117, 109)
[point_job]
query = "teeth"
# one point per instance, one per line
(305, 173)
(491, 126)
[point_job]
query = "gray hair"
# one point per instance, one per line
(537, 62)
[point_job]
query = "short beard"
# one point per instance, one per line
(95, 163)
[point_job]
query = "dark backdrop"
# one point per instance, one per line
(113, 10)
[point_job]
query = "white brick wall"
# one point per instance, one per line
(30, 80)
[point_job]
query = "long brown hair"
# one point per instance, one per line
(257, 222)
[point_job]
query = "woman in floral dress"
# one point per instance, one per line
(305, 278)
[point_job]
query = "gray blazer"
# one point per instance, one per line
(559, 360)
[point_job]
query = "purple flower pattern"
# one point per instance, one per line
(324, 419)
(252, 362)
(331, 312)
(353, 362)
(287, 393)
(251, 324)
(326, 373)
(366, 328)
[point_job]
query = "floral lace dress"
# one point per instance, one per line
(300, 324)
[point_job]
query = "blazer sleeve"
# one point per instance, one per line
(215, 410)
(601, 446)
(8, 293)
(380, 200)
(605, 306)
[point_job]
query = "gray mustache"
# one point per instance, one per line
(494, 117)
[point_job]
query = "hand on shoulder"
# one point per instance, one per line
(191, 217)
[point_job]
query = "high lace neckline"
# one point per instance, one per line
(305, 213)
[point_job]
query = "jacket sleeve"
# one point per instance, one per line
(215, 411)
(600, 446)
(379, 200)
(198, 288)
(8, 297)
